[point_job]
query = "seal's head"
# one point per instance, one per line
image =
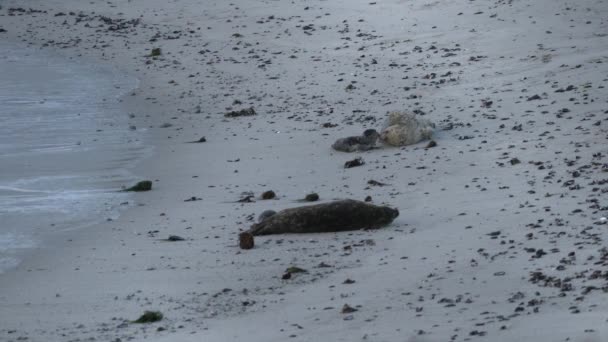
(266, 215)
(371, 135)
(388, 215)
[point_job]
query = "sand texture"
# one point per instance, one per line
(498, 237)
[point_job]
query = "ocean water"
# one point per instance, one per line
(66, 147)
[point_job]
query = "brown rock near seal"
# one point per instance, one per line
(246, 241)
(327, 217)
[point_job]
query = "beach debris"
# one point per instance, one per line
(364, 142)
(193, 199)
(335, 216)
(292, 270)
(295, 269)
(266, 214)
(246, 240)
(201, 140)
(145, 185)
(354, 163)
(312, 197)
(173, 238)
(431, 144)
(266, 195)
(346, 309)
(243, 112)
(403, 129)
(149, 317)
(375, 183)
(155, 52)
(246, 199)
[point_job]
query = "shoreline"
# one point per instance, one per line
(487, 216)
(82, 183)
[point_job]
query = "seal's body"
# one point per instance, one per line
(403, 129)
(327, 217)
(365, 142)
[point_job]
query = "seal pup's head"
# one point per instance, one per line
(370, 136)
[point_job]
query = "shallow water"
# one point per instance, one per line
(65, 147)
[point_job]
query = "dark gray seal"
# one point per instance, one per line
(327, 217)
(365, 142)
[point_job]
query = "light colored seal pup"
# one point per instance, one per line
(365, 142)
(327, 217)
(403, 129)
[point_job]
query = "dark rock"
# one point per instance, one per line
(375, 183)
(354, 163)
(348, 309)
(174, 238)
(295, 269)
(141, 186)
(201, 140)
(431, 144)
(514, 161)
(246, 241)
(266, 195)
(149, 317)
(312, 197)
(243, 112)
(155, 52)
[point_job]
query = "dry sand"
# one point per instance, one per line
(496, 241)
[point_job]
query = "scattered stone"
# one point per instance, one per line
(243, 112)
(141, 186)
(346, 309)
(174, 238)
(201, 140)
(431, 144)
(246, 241)
(514, 161)
(368, 198)
(375, 183)
(295, 269)
(193, 199)
(266, 195)
(149, 317)
(246, 199)
(155, 52)
(312, 197)
(354, 163)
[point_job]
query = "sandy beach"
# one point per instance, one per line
(499, 237)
